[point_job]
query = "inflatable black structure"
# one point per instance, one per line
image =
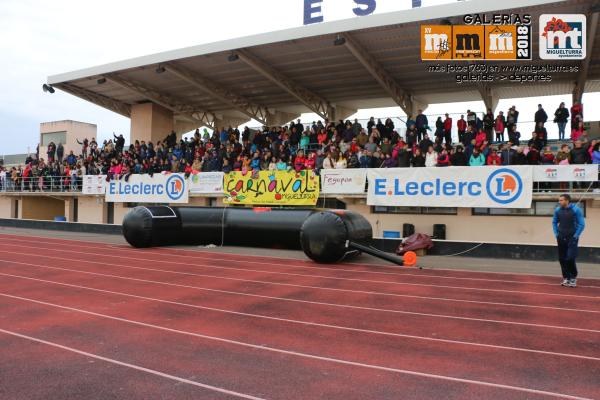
(325, 236)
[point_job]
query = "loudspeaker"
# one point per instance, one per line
(439, 231)
(408, 230)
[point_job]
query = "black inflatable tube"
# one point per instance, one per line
(324, 236)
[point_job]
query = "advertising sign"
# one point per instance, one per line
(343, 181)
(159, 188)
(277, 188)
(494, 187)
(206, 183)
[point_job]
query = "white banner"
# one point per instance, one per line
(206, 182)
(494, 187)
(565, 173)
(93, 184)
(159, 188)
(343, 181)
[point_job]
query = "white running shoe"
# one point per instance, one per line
(565, 282)
(573, 283)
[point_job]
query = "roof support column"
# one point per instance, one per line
(280, 118)
(584, 67)
(489, 98)
(150, 122)
(340, 113)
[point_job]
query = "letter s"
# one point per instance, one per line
(361, 12)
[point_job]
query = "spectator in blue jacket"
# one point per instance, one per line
(568, 224)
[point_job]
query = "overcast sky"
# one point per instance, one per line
(39, 38)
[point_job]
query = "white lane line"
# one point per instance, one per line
(299, 354)
(211, 266)
(338, 327)
(309, 265)
(132, 366)
(290, 285)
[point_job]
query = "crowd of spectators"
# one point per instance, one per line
(485, 140)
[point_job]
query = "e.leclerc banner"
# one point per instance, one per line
(159, 188)
(489, 187)
(272, 188)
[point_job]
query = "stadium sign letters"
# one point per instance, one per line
(158, 188)
(317, 11)
(451, 187)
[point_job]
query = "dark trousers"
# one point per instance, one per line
(567, 253)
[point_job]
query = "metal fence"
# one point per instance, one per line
(74, 184)
(42, 184)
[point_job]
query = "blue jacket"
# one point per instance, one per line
(579, 220)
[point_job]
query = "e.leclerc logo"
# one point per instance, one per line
(504, 186)
(174, 187)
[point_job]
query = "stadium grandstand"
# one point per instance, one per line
(219, 154)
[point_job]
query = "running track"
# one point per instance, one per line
(85, 320)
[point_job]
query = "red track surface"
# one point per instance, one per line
(82, 320)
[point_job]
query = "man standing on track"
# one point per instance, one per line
(568, 224)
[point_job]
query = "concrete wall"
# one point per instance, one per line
(461, 227)
(43, 208)
(482, 228)
(7, 207)
(92, 210)
(75, 131)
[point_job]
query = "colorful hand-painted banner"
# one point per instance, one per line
(272, 188)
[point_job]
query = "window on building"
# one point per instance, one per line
(538, 209)
(415, 210)
(56, 137)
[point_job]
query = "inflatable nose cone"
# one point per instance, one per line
(325, 235)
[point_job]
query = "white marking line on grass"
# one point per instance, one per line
(132, 366)
(345, 328)
(211, 266)
(291, 285)
(309, 265)
(299, 354)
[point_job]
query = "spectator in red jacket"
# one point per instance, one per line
(480, 138)
(576, 114)
(500, 126)
(299, 161)
(461, 125)
(443, 159)
(448, 130)
(493, 158)
(310, 162)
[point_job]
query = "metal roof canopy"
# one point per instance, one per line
(274, 77)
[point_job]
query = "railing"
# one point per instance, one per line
(42, 184)
(74, 184)
(525, 127)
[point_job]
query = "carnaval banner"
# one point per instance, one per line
(272, 188)
(206, 182)
(343, 181)
(565, 173)
(494, 187)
